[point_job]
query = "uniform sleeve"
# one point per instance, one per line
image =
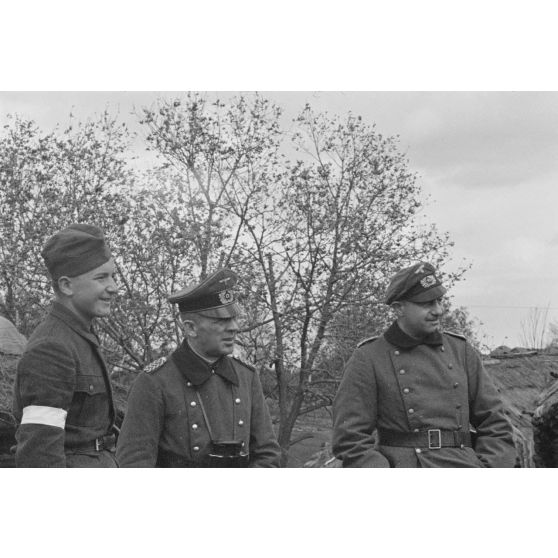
(44, 390)
(355, 410)
(264, 449)
(138, 442)
(494, 442)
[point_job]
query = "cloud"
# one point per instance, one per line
(485, 140)
(487, 161)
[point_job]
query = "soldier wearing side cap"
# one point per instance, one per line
(62, 393)
(200, 407)
(420, 390)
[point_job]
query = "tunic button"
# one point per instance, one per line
(456, 384)
(237, 400)
(416, 430)
(401, 371)
(450, 365)
(240, 423)
(194, 426)
(411, 411)
(193, 404)
(396, 353)
(406, 390)
(188, 384)
(442, 348)
(91, 388)
(196, 448)
(418, 450)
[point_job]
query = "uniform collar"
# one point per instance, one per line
(396, 336)
(197, 370)
(72, 320)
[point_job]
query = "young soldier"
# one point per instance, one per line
(421, 389)
(62, 394)
(199, 407)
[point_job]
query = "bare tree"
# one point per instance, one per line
(534, 328)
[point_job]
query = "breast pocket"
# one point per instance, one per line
(90, 402)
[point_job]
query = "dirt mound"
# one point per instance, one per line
(521, 381)
(545, 428)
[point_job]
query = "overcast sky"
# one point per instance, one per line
(486, 163)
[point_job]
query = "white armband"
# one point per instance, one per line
(50, 416)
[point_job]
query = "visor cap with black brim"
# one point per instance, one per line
(213, 297)
(417, 283)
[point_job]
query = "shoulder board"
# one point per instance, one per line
(244, 363)
(155, 365)
(367, 340)
(458, 335)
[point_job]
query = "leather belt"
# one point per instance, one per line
(102, 443)
(170, 459)
(427, 439)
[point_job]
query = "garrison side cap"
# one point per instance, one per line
(75, 250)
(417, 283)
(213, 297)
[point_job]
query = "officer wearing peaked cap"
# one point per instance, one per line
(62, 394)
(200, 407)
(213, 297)
(420, 389)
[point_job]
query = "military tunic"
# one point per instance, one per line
(392, 383)
(170, 405)
(62, 373)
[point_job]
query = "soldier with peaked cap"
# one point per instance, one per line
(62, 394)
(200, 407)
(420, 389)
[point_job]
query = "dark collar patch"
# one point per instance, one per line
(198, 371)
(396, 336)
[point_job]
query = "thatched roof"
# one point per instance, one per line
(11, 341)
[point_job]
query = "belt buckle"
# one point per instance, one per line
(432, 432)
(98, 444)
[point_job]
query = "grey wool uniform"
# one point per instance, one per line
(396, 386)
(410, 397)
(200, 407)
(63, 372)
(62, 394)
(182, 403)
